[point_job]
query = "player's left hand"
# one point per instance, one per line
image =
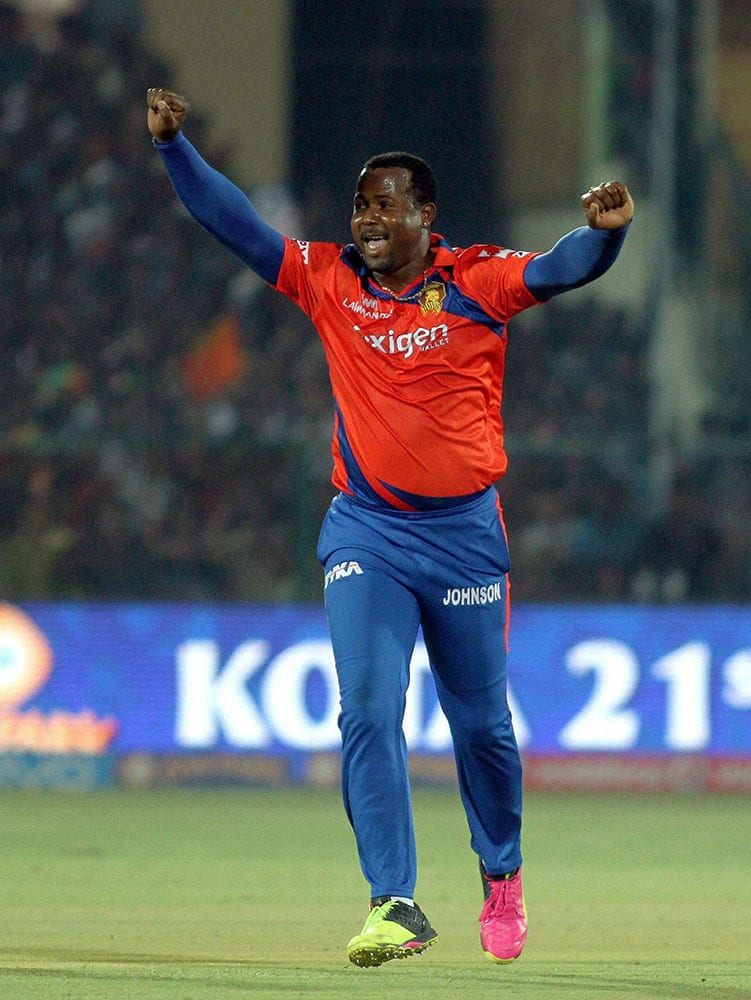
(608, 206)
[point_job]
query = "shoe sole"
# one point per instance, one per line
(499, 961)
(369, 955)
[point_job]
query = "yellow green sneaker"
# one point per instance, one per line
(394, 929)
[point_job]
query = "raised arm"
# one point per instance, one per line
(213, 200)
(585, 253)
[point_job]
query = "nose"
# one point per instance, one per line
(370, 213)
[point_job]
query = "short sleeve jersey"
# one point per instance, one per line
(417, 379)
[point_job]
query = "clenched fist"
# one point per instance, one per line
(166, 113)
(608, 206)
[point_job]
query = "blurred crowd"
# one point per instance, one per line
(584, 518)
(165, 417)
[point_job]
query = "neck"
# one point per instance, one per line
(396, 281)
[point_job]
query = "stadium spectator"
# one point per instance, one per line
(680, 557)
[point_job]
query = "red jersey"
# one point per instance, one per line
(417, 379)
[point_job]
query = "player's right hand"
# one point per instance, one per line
(166, 113)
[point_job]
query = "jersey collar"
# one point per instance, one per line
(445, 255)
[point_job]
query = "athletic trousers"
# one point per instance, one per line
(386, 573)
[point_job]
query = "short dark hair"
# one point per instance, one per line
(423, 184)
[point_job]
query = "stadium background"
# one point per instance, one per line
(164, 418)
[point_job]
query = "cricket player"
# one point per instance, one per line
(414, 331)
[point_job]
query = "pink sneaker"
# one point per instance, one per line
(503, 921)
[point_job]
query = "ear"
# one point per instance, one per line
(428, 212)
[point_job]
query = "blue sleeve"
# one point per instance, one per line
(576, 259)
(222, 208)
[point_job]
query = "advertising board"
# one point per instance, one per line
(206, 680)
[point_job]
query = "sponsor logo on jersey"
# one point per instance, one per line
(367, 307)
(342, 570)
(304, 246)
(406, 344)
(460, 596)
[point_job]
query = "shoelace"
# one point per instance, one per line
(503, 896)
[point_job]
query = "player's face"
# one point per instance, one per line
(390, 229)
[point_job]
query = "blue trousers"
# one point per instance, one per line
(387, 573)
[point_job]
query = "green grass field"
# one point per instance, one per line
(197, 894)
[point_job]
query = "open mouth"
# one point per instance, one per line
(374, 244)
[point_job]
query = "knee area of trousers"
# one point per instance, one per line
(480, 733)
(370, 719)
